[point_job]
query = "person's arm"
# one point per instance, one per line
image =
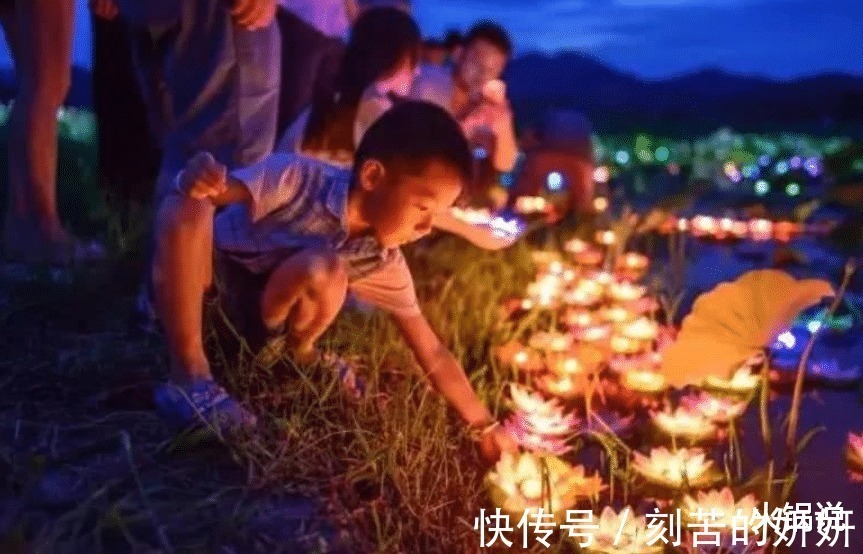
(352, 9)
(479, 234)
(442, 369)
(506, 145)
(447, 377)
(263, 187)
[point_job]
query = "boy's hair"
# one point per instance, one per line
(412, 134)
(452, 39)
(489, 32)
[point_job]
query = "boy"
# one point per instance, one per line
(308, 232)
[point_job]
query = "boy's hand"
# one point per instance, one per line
(104, 9)
(496, 442)
(253, 14)
(203, 177)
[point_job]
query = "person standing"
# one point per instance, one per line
(39, 33)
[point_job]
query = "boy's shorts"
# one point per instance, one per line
(234, 305)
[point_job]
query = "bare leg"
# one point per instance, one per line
(306, 292)
(43, 64)
(182, 273)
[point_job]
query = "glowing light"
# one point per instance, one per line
(622, 157)
(554, 181)
(662, 154)
(480, 153)
(601, 174)
(813, 167)
(762, 187)
(750, 171)
(781, 168)
(796, 162)
(764, 160)
(813, 326)
(787, 340)
(600, 204)
(792, 189)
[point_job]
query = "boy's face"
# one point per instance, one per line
(481, 62)
(400, 207)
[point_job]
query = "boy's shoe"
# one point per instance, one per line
(202, 403)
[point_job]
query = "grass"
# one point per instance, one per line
(393, 472)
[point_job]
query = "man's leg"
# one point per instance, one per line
(305, 294)
(43, 62)
(182, 272)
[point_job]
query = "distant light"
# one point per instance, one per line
(729, 168)
(764, 160)
(796, 162)
(813, 326)
(645, 155)
(554, 181)
(792, 189)
(600, 204)
(622, 157)
(662, 154)
(813, 166)
(781, 168)
(601, 174)
(762, 187)
(787, 340)
(507, 180)
(750, 171)
(480, 153)
(674, 168)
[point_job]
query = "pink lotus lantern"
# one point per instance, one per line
(617, 314)
(734, 521)
(519, 357)
(531, 205)
(606, 238)
(563, 386)
(589, 258)
(624, 533)
(632, 265)
(719, 410)
(551, 342)
(739, 229)
(704, 226)
(576, 246)
(593, 333)
(742, 382)
(855, 451)
(761, 229)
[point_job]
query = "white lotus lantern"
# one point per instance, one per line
(617, 314)
(516, 484)
(624, 533)
(674, 469)
(761, 229)
(633, 265)
(642, 329)
(645, 381)
(576, 246)
(562, 386)
(743, 381)
(606, 238)
(684, 424)
(626, 345)
(626, 291)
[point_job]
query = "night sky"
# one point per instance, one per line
(654, 38)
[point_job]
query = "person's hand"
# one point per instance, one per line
(494, 117)
(203, 177)
(104, 9)
(495, 442)
(253, 14)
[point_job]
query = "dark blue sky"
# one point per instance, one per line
(655, 38)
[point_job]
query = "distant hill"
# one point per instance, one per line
(701, 101)
(617, 101)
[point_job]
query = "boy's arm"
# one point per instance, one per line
(442, 369)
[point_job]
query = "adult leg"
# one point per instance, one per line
(304, 294)
(182, 272)
(43, 61)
